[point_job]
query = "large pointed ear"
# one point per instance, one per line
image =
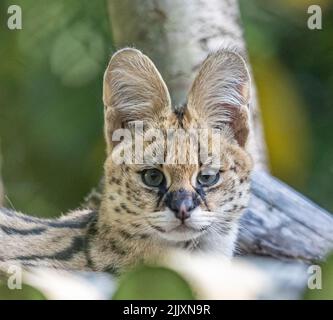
(220, 94)
(133, 90)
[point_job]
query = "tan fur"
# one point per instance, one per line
(133, 223)
(220, 93)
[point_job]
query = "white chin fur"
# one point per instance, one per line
(183, 235)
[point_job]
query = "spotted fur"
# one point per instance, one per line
(132, 222)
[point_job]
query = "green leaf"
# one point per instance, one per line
(153, 283)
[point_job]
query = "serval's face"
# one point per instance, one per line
(192, 176)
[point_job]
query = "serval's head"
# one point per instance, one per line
(156, 193)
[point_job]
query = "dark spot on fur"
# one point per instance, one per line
(91, 233)
(135, 225)
(77, 245)
(187, 244)
(179, 112)
(73, 223)
(113, 245)
(125, 234)
(112, 270)
(23, 232)
(140, 205)
(157, 228)
(131, 212)
(115, 180)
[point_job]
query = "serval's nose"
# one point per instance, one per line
(182, 203)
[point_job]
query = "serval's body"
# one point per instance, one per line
(58, 243)
(147, 208)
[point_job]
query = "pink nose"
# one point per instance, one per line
(184, 211)
(182, 203)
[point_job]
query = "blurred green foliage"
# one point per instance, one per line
(153, 283)
(50, 96)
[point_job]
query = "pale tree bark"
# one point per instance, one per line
(178, 35)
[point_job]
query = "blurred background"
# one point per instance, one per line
(51, 113)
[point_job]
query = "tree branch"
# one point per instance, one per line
(283, 224)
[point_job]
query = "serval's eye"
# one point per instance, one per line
(152, 177)
(207, 179)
